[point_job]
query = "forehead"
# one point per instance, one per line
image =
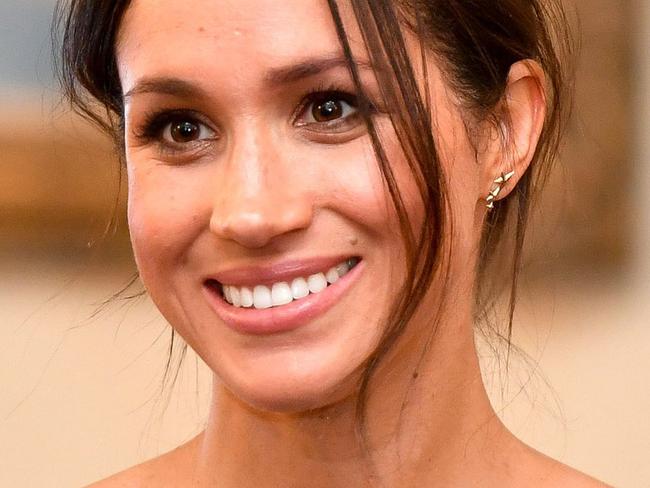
(239, 36)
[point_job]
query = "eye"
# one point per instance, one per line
(185, 130)
(176, 133)
(329, 107)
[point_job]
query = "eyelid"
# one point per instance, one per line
(167, 127)
(322, 91)
(157, 120)
(151, 132)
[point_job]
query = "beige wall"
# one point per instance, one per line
(642, 146)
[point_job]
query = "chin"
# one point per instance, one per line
(287, 402)
(292, 394)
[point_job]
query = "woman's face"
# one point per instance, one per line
(249, 167)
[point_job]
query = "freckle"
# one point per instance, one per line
(201, 29)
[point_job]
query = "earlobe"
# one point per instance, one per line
(521, 123)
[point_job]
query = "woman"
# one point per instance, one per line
(319, 193)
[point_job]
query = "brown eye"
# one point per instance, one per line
(329, 110)
(329, 107)
(184, 131)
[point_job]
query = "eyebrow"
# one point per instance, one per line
(310, 67)
(275, 76)
(165, 86)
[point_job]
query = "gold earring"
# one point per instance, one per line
(499, 182)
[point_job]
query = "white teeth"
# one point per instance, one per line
(316, 282)
(246, 297)
(262, 297)
(281, 294)
(226, 294)
(234, 296)
(332, 275)
(299, 288)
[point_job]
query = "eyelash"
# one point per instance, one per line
(324, 91)
(156, 121)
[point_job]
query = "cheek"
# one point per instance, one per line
(360, 190)
(364, 196)
(369, 194)
(164, 216)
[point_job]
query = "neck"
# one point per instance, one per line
(458, 437)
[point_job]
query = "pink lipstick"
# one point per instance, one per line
(282, 318)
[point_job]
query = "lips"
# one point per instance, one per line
(283, 318)
(283, 292)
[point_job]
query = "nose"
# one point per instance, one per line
(260, 195)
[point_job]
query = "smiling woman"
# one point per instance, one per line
(318, 192)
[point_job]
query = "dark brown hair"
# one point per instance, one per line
(477, 41)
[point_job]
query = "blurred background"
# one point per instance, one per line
(80, 382)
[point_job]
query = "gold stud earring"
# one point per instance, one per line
(494, 193)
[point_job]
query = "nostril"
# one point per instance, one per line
(249, 230)
(253, 223)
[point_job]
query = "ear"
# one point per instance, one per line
(518, 129)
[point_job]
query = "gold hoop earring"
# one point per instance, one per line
(499, 182)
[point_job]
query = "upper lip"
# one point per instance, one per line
(269, 273)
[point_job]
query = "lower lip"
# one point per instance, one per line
(286, 317)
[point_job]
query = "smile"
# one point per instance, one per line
(285, 305)
(283, 292)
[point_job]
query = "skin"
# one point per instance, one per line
(261, 184)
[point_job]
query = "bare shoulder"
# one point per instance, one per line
(567, 476)
(551, 473)
(172, 469)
